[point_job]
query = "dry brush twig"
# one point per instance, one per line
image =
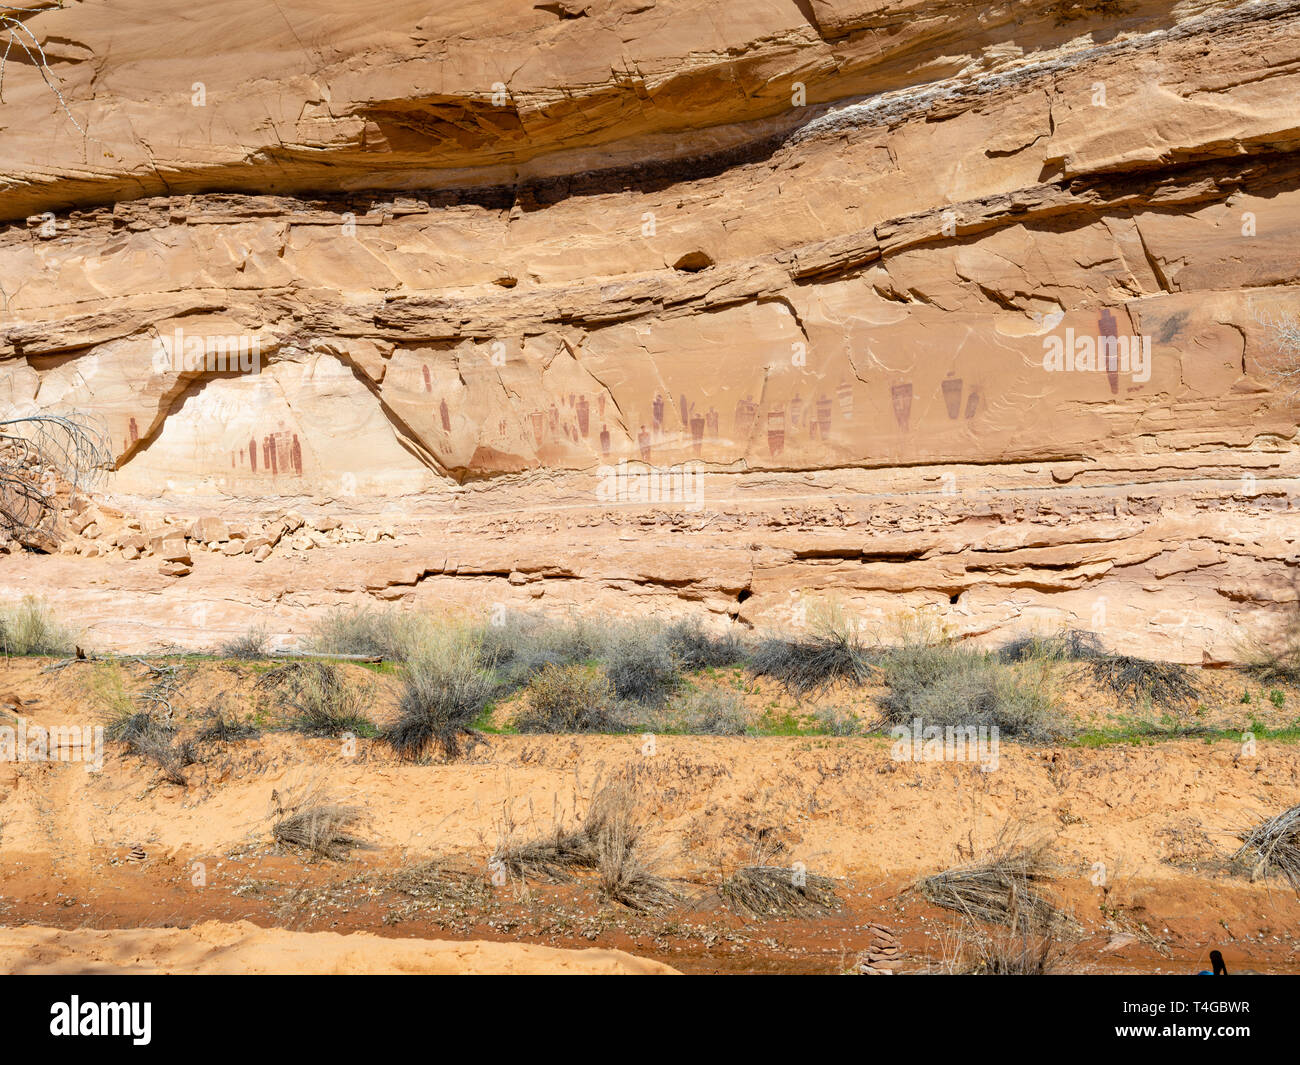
(15, 31)
(38, 452)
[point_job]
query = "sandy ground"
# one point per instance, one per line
(245, 949)
(1140, 834)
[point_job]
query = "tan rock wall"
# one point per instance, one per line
(772, 239)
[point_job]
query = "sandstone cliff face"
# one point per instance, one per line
(806, 257)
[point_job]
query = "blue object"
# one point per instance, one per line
(1216, 959)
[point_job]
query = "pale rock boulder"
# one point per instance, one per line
(209, 530)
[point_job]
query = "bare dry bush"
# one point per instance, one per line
(1273, 847)
(611, 842)
(45, 457)
(1003, 885)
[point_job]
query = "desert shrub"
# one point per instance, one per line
(1165, 684)
(643, 659)
(837, 721)
(639, 659)
(255, 643)
(29, 628)
(1067, 645)
(522, 646)
(831, 652)
(311, 819)
(501, 641)
(944, 685)
(323, 702)
(444, 690)
(172, 756)
(106, 683)
(570, 698)
(696, 648)
(153, 739)
(1281, 363)
(704, 712)
(383, 634)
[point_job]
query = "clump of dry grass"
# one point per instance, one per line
(611, 841)
(1003, 886)
(616, 828)
(766, 888)
(124, 724)
(1023, 950)
(311, 819)
(170, 755)
(224, 723)
(1274, 660)
(625, 873)
(779, 891)
(154, 740)
(324, 702)
(1010, 925)
(29, 628)
(550, 858)
(1273, 847)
